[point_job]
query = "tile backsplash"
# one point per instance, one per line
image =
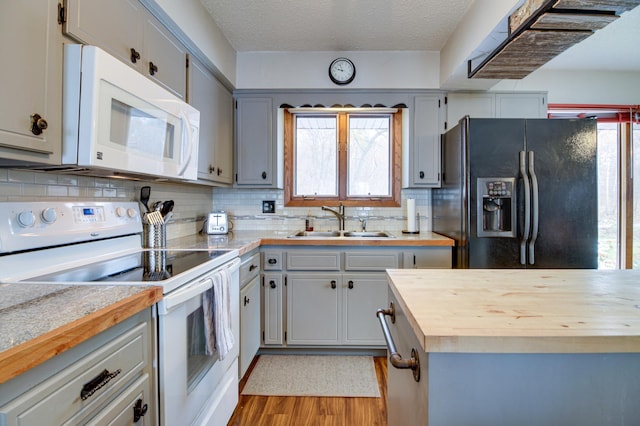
(193, 202)
(244, 207)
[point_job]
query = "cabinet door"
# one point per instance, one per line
(363, 295)
(31, 81)
(427, 258)
(254, 142)
(475, 105)
(215, 103)
(425, 161)
(123, 410)
(272, 302)
(249, 323)
(114, 26)
(521, 105)
(164, 57)
(313, 309)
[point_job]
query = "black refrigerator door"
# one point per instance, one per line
(566, 169)
(493, 150)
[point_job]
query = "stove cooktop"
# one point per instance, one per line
(145, 266)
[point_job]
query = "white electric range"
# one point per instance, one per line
(101, 243)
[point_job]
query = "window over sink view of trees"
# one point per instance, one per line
(345, 156)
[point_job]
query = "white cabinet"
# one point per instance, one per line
(256, 155)
(421, 156)
(30, 82)
(128, 31)
(215, 103)
(495, 105)
(249, 310)
(100, 381)
(521, 105)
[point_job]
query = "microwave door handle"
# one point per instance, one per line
(189, 131)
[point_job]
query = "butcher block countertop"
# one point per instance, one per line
(245, 241)
(521, 311)
(39, 321)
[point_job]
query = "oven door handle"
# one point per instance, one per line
(183, 294)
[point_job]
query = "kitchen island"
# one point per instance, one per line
(504, 347)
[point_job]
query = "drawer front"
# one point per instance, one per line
(59, 398)
(121, 410)
(249, 268)
(377, 261)
(313, 261)
(272, 261)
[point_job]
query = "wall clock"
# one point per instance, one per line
(342, 71)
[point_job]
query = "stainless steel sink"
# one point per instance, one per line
(367, 234)
(345, 234)
(316, 234)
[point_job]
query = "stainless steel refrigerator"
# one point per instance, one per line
(519, 193)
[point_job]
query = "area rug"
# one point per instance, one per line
(313, 375)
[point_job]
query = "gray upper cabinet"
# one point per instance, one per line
(422, 155)
(129, 32)
(255, 143)
(31, 83)
(215, 103)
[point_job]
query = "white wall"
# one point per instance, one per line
(580, 87)
(310, 70)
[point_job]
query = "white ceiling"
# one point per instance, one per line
(370, 25)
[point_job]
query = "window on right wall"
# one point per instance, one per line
(618, 163)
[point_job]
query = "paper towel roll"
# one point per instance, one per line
(411, 215)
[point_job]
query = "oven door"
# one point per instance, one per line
(188, 375)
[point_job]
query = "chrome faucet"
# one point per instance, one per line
(339, 214)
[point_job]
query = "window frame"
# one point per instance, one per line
(394, 200)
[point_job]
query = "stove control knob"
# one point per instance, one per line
(132, 213)
(49, 215)
(120, 211)
(26, 219)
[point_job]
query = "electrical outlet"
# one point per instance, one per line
(268, 206)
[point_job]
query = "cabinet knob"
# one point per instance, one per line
(153, 68)
(139, 410)
(421, 175)
(350, 284)
(264, 175)
(38, 124)
(246, 301)
(134, 55)
(252, 267)
(272, 261)
(211, 169)
(333, 284)
(272, 284)
(219, 171)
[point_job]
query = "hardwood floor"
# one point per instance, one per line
(255, 410)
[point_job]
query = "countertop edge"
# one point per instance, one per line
(20, 358)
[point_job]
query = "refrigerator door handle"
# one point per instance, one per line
(534, 209)
(527, 208)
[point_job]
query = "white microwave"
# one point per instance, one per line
(116, 121)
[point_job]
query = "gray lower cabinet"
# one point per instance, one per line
(215, 103)
(98, 382)
(330, 295)
(427, 257)
(31, 83)
(249, 310)
(129, 32)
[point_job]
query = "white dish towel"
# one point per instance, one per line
(224, 339)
